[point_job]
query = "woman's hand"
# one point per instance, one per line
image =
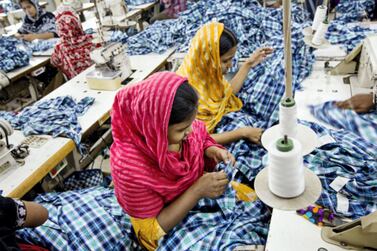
(360, 103)
(258, 56)
(220, 155)
(211, 185)
(251, 134)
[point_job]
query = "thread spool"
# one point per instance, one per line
(320, 33)
(288, 118)
(285, 168)
(320, 15)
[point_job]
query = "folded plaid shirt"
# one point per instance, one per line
(87, 220)
(364, 125)
(56, 117)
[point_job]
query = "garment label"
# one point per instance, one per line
(339, 183)
(324, 140)
(342, 203)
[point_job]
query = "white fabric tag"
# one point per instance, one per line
(342, 203)
(339, 183)
(324, 140)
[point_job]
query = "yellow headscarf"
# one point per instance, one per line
(202, 67)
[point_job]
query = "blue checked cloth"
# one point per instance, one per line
(138, 2)
(220, 224)
(42, 45)
(8, 5)
(350, 11)
(364, 125)
(354, 10)
(351, 157)
(85, 220)
(57, 117)
(16, 53)
(13, 54)
(83, 179)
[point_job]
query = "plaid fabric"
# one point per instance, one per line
(89, 219)
(250, 22)
(138, 2)
(221, 224)
(354, 10)
(364, 125)
(83, 179)
(350, 11)
(351, 157)
(57, 117)
(13, 54)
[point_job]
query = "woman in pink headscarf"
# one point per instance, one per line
(162, 159)
(72, 54)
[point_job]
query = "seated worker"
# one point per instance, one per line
(360, 103)
(17, 214)
(162, 159)
(38, 24)
(171, 9)
(208, 60)
(72, 53)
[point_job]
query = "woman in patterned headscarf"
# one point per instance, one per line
(162, 159)
(72, 53)
(208, 60)
(38, 24)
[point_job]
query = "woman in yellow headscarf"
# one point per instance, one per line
(209, 58)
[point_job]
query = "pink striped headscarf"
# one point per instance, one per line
(146, 175)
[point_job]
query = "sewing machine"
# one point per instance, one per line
(15, 16)
(112, 13)
(6, 158)
(359, 234)
(75, 4)
(363, 61)
(112, 67)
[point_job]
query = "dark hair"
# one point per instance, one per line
(227, 41)
(184, 105)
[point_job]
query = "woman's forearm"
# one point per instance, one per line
(46, 35)
(173, 214)
(240, 77)
(227, 137)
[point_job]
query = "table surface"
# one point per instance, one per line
(85, 6)
(35, 63)
(17, 181)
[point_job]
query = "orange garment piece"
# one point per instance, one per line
(148, 232)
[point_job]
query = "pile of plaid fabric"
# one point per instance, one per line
(225, 223)
(57, 117)
(16, 53)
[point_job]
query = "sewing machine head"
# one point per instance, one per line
(112, 12)
(6, 158)
(16, 16)
(112, 67)
(75, 4)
